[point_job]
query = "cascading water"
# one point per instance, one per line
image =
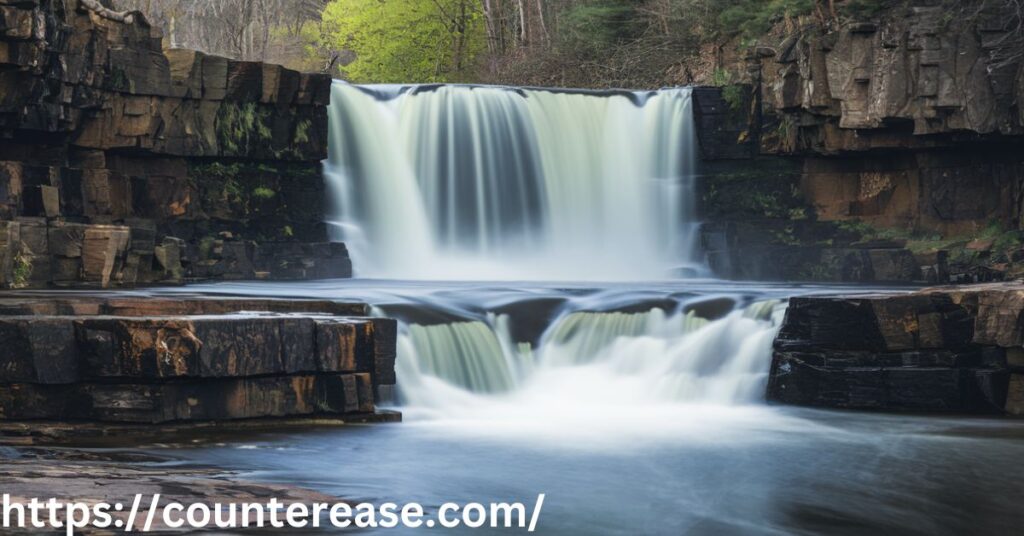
(476, 182)
(588, 365)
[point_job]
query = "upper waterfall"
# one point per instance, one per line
(471, 182)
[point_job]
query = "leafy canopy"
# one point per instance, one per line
(402, 41)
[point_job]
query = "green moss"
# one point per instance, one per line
(206, 246)
(240, 128)
(262, 192)
(217, 170)
(22, 270)
(721, 77)
(786, 236)
(288, 231)
(1003, 240)
(233, 190)
(302, 131)
(735, 96)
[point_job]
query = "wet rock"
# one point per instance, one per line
(80, 476)
(189, 359)
(38, 351)
(941, 349)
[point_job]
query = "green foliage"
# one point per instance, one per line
(721, 77)
(240, 127)
(596, 25)
(302, 131)
(734, 95)
(288, 231)
(233, 192)
(863, 9)
(756, 17)
(217, 170)
(1002, 239)
(404, 41)
(262, 192)
(22, 270)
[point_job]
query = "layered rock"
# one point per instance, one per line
(952, 349)
(127, 360)
(921, 75)
(901, 132)
(123, 164)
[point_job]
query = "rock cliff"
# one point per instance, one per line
(121, 163)
(902, 135)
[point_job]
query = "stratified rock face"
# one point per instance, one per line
(907, 125)
(953, 349)
(138, 360)
(123, 164)
(896, 81)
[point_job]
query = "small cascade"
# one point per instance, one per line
(471, 182)
(467, 354)
(653, 357)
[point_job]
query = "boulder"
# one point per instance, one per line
(911, 352)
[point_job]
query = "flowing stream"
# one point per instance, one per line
(559, 334)
(638, 409)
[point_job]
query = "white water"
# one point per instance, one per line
(471, 182)
(600, 377)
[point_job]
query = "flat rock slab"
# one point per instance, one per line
(16, 303)
(224, 399)
(66, 349)
(89, 477)
(140, 360)
(943, 349)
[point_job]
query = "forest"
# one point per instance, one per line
(578, 43)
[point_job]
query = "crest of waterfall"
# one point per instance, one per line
(471, 182)
(653, 356)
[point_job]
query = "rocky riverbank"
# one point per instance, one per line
(943, 349)
(143, 360)
(117, 477)
(871, 148)
(124, 164)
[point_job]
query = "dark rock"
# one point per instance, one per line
(198, 360)
(102, 127)
(935, 350)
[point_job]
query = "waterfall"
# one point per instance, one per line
(480, 182)
(590, 359)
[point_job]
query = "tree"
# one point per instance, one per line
(405, 40)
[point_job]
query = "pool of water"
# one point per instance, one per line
(613, 459)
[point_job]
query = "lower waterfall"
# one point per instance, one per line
(479, 182)
(589, 362)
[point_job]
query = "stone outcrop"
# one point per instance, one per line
(122, 164)
(145, 360)
(900, 135)
(945, 349)
(79, 476)
(922, 75)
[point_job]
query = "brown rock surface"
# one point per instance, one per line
(136, 159)
(144, 360)
(90, 477)
(940, 349)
